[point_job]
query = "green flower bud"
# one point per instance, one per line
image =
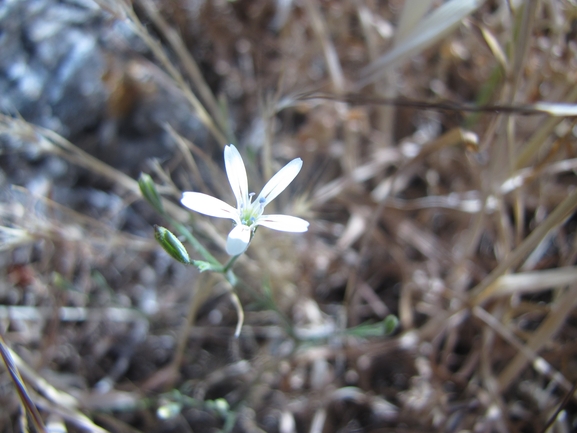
(171, 244)
(149, 192)
(390, 324)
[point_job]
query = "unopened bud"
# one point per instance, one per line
(390, 324)
(171, 244)
(149, 192)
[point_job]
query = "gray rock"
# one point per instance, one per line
(52, 64)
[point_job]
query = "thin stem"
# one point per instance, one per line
(25, 398)
(229, 265)
(239, 311)
(270, 304)
(160, 54)
(194, 242)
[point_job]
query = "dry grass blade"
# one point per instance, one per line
(184, 147)
(50, 142)
(25, 398)
(562, 405)
(329, 50)
(559, 312)
(562, 110)
(53, 143)
(55, 424)
(158, 51)
(495, 47)
(70, 314)
(540, 137)
(561, 212)
(187, 60)
(239, 311)
(412, 13)
(381, 160)
(520, 48)
(557, 109)
(528, 282)
(40, 384)
(72, 416)
(431, 29)
(11, 237)
(525, 175)
(453, 137)
(443, 194)
(526, 353)
(46, 219)
(115, 8)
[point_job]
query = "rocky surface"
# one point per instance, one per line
(70, 67)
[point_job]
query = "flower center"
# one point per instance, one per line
(250, 214)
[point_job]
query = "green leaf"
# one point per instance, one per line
(203, 266)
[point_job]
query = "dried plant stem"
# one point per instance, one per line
(25, 398)
(159, 53)
(519, 55)
(550, 326)
(538, 362)
(202, 289)
(562, 405)
(39, 383)
(431, 29)
(187, 60)
(530, 282)
(329, 50)
(187, 155)
(386, 189)
(51, 142)
(540, 137)
(485, 288)
(191, 153)
(239, 311)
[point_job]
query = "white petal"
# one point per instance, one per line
(280, 181)
(284, 223)
(236, 175)
(208, 205)
(238, 240)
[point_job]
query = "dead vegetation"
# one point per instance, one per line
(438, 142)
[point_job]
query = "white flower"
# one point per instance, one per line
(248, 214)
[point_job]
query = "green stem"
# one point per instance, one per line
(199, 248)
(229, 264)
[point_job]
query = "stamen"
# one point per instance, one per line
(261, 204)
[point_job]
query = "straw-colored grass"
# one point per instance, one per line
(438, 141)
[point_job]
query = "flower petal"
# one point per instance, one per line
(280, 181)
(208, 205)
(283, 223)
(238, 240)
(236, 175)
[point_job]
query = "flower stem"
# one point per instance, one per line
(194, 242)
(229, 264)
